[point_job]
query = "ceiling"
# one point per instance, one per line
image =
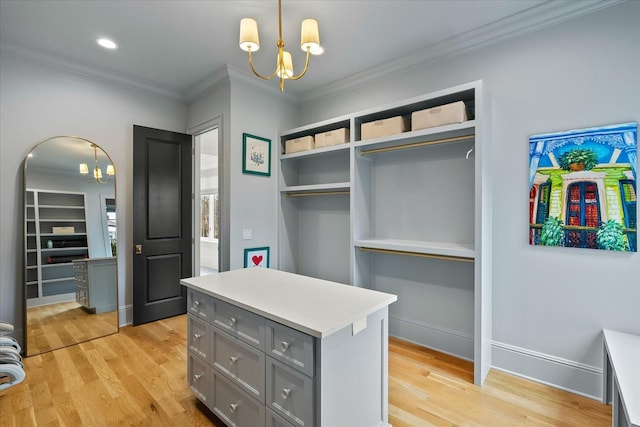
(172, 47)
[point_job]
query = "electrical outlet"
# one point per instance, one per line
(246, 234)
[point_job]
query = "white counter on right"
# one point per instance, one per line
(621, 377)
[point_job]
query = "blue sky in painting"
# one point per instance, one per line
(603, 152)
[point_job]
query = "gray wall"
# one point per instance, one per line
(549, 305)
(38, 103)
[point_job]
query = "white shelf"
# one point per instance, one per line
(60, 207)
(315, 152)
(444, 249)
(60, 279)
(77, 248)
(62, 220)
(61, 235)
(60, 264)
(422, 135)
(336, 186)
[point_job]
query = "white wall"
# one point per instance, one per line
(549, 305)
(37, 103)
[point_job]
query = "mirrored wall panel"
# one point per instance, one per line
(70, 239)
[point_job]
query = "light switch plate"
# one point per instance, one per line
(246, 234)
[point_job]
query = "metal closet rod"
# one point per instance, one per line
(418, 144)
(316, 193)
(418, 254)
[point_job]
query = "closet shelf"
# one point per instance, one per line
(316, 188)
(62, 235)
(315, 152)
(418, 136)
(61, 279)
(465, 252)
(60, 207)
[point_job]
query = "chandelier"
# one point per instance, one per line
(309, 43)
(97, 172)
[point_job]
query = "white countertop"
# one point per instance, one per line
(313, 306)
(624, 353)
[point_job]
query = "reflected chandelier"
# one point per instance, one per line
(97, 172)
(309, 43)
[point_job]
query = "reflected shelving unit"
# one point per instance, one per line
(407, 214)
(56, 234)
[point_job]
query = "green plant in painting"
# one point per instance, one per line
(552, 233)
(610, 236)
(578, 159)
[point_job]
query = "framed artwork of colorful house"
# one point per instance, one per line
(582, 188)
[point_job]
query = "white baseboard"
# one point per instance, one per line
(568, 375)
(578, 378)
(125, 315)
(444, 340)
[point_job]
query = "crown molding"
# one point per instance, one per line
(533, 19)
(69, 66)
(217, 80)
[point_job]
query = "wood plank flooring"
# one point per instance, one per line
(138, 377)
(59, 325)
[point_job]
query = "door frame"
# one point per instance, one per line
(223, 191)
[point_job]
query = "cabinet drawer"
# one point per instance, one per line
(81, 297)
(79, 266)
(239, 362)
(289, 393)
(199, 304)
(198, 337)
(199, 378)
(291, 347)
(275, 420)
(247, 326)
(233, 406)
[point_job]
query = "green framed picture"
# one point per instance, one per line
(256, 155)
(256, 257)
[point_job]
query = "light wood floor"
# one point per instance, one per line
(59, 325)
(138, 377)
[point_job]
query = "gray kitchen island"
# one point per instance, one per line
(271, 348)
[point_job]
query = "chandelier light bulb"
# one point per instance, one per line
(249, 40)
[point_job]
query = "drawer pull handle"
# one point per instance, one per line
(233, 407)
(284, 346)
(196, 303)
(232, 321)
(285, 393)
(196, 377)
(232, 360)
(196, 336)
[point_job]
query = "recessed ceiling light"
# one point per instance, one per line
(106, 43)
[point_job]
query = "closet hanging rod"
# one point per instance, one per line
(417, 144)
(316, 193)
(418, 254)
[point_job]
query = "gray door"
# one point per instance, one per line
(161, 222)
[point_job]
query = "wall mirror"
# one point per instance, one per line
(70, 289)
